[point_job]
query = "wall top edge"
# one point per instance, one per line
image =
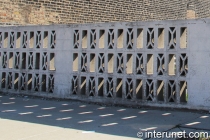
(110, 24)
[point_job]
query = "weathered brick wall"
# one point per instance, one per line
(202, 8)
(95, 11)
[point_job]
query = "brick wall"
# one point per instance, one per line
(95, 11)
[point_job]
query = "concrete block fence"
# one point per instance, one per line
(160, 64)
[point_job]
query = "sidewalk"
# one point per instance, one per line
(24, 118)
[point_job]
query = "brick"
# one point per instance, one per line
(71, 11)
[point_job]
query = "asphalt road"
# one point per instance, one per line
(26, 118)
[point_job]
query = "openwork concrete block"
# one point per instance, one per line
(150, 38)
(140, 67)
(111, 38)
